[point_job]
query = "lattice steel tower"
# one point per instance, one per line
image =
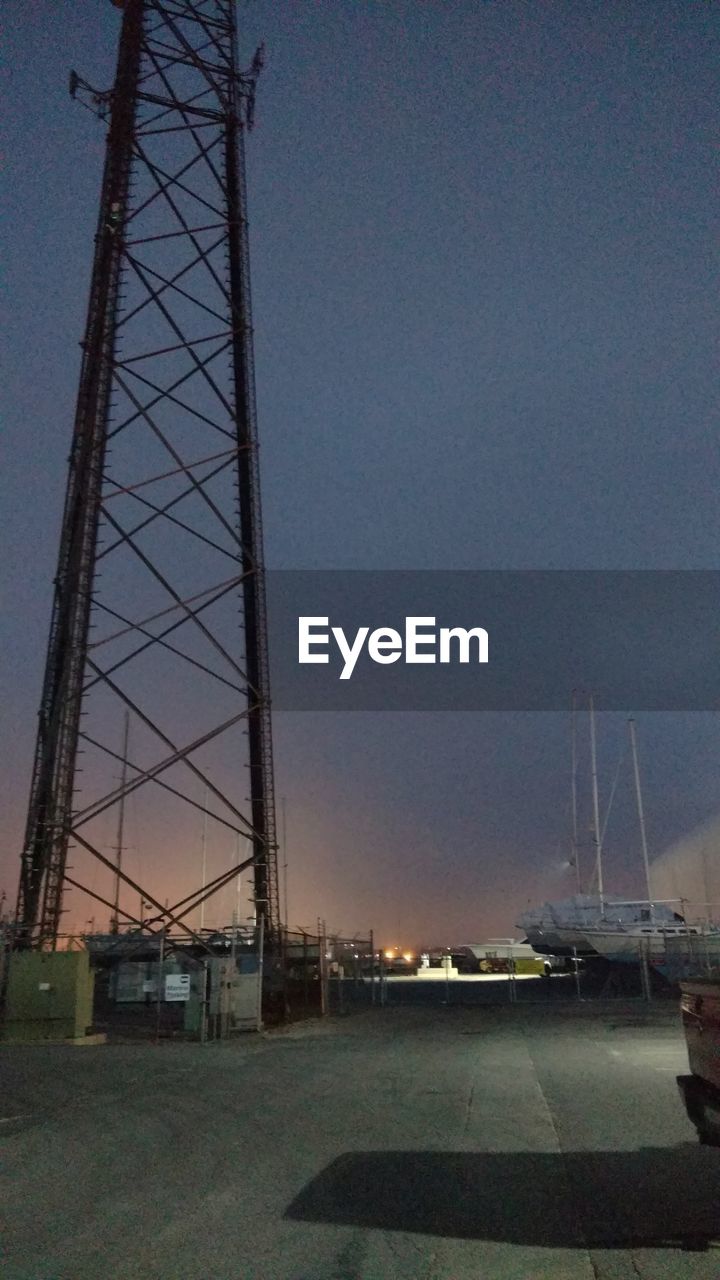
(159, 599)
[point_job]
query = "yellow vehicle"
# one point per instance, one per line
(501, 955)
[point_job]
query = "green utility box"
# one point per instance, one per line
(49, 996)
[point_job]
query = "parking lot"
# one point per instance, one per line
(404, 1143)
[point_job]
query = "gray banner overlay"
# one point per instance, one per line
(640, 640)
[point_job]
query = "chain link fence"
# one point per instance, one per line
(328, 974)
(151, 986)
(644, 969)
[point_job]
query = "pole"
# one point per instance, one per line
(372, 966)
(645, 969)
(341, 986)
(285, 865)
(231, 985)
(238, 882)
(322, 946)
(596, 807)
(115, 917)
(577, 972)
(203, 857)
(261, 957)
(259, 728)
(641, 814)
(160, 986)
(573, 734)
(203, 1003)
(305, 973)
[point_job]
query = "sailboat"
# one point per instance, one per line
(575, 924)
(558, 928)
(588, 924)
(669, 943)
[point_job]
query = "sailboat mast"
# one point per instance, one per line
(596, 806)
(641, 814)
(575, 851)
(115, 917)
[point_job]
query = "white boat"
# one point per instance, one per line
(672, 945)
(554, 927)
(558, 928)
(496, 953)
(597, 924)
(615, 929)
(626, 943)
(666, 946)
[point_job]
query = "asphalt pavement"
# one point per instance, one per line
(441, 1143)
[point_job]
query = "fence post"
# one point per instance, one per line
(203, 1003)
(372, 966)
(306, 999)
(6, 941)
(645, 969)
(261, 949)
(161, 964)
(324, 980)
(577, 973)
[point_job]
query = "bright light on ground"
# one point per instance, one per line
(470, 977)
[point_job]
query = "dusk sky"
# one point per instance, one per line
(484, 292)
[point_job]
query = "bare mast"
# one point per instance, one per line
(596, 807)
(575, 842)
(641, 814)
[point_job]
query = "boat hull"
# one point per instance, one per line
(557, 942)
(626, 948)
(675, 954)
(558, 928)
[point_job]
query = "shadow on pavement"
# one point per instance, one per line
(658, 1197)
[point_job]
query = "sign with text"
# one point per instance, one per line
(494, 640)
(177, 986)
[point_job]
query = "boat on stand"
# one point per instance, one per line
(619, 930)
(661, 935)
(570, 927)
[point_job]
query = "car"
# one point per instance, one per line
(394, 961)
